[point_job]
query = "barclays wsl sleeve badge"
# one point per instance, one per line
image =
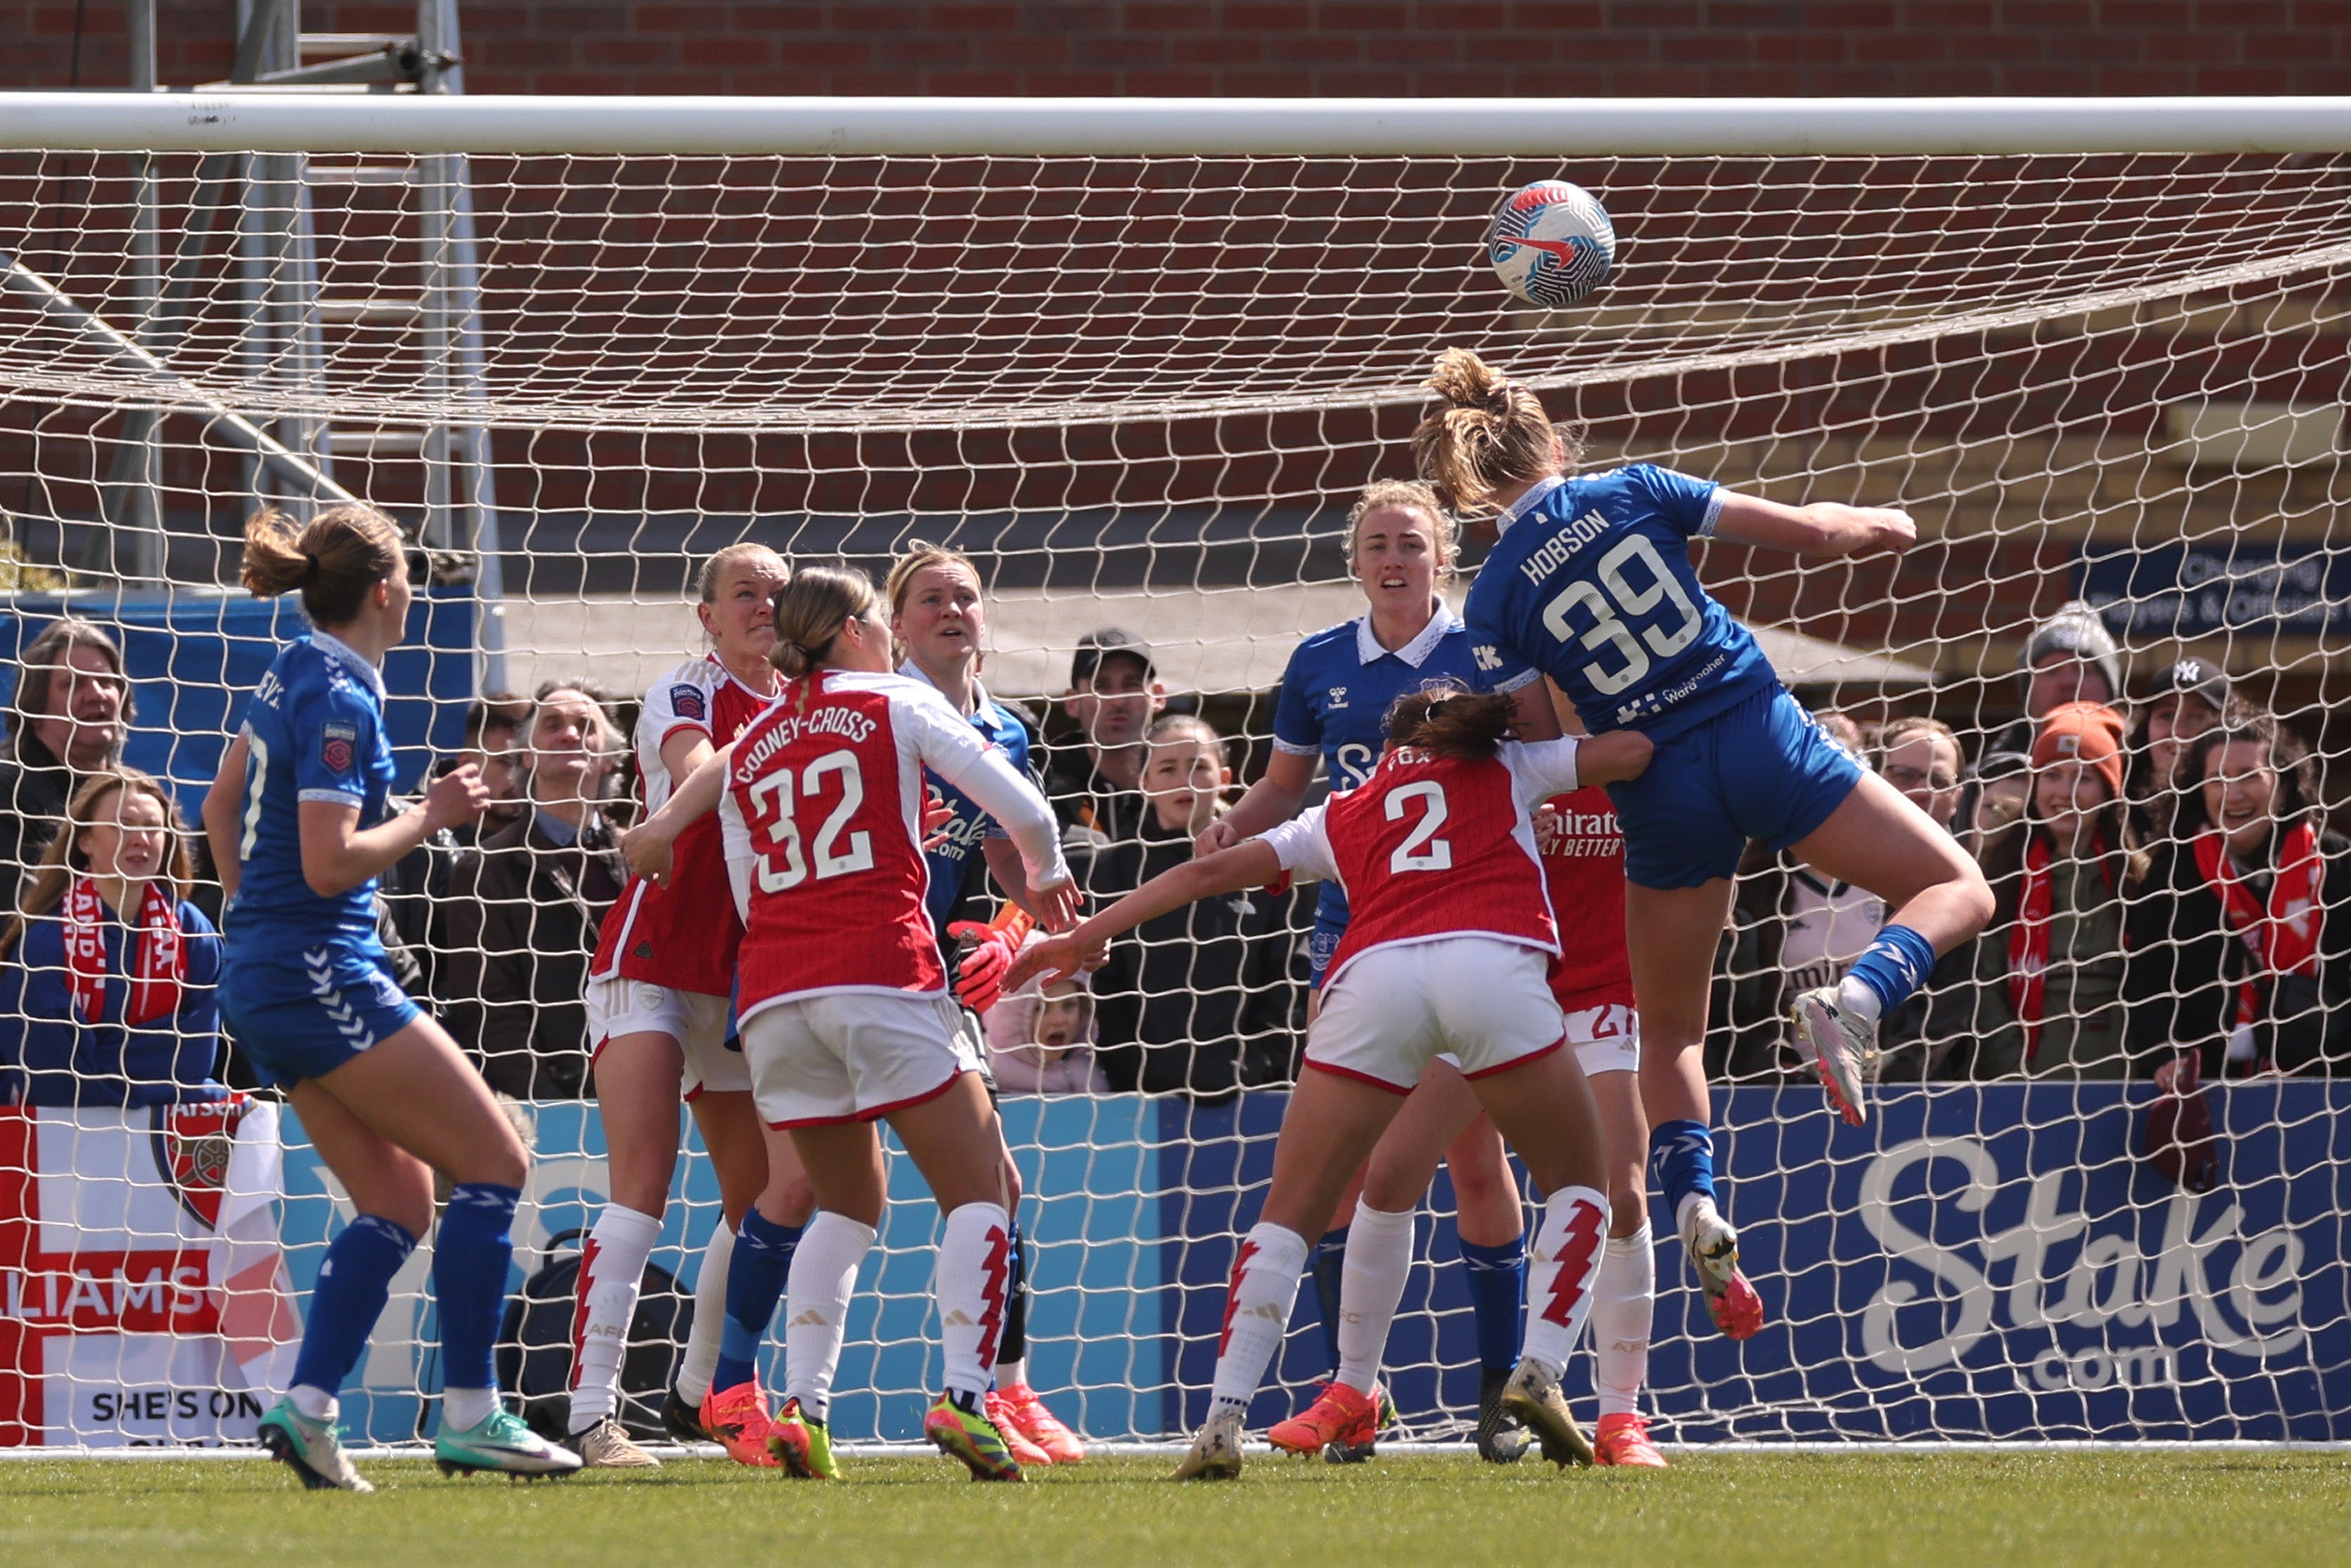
(338, 747)
(686, 701)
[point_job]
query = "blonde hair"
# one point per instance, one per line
(64, 860)
(1407, 495)
(810, 610)
(705, 582)
(919, 557)
(335, 559)
(1491, 432)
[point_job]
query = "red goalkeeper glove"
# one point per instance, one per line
(979, 977)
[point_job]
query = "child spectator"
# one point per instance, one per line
(2242, 950)
(1042, 1042)
(1199, 1000)
(106, 990)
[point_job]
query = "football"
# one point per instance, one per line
(1552, 243)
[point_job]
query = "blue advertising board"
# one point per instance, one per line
(2189, 591)
(1981, 1262)
(193, 658)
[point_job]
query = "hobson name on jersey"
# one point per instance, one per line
(1561, 547)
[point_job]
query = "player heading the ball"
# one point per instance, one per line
(1591, 582)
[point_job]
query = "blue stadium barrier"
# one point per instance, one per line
(1909, 1296)
(193, 658)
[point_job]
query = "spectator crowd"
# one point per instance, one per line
(2165, 885)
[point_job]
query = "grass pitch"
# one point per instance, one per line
(1979, 1510)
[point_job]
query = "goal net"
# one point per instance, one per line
(1140, 386)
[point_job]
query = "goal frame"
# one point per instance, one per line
(266, 121)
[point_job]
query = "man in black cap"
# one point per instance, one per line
(2188, 699)
(1096, 785)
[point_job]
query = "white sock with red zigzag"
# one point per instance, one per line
(1561, 1267)
(611, 1267)
(1256, 1312)
(973, 1280)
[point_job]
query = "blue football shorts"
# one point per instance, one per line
(1320, 947)
(301, 1011)
(1760, 770)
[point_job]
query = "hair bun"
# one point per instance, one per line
(1465, 381)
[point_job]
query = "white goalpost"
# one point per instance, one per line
(1136, 358)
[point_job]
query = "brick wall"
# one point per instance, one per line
(1209, 48)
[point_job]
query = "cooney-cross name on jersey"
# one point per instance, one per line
(841, 721)
(1559, 548)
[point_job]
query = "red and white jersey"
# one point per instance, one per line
(684, 935)
(1583, 849)
(1430, 847)
(822, 819)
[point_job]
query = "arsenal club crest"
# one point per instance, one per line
(338, 747)
(191, 1145)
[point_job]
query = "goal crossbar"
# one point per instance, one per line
(265, 121)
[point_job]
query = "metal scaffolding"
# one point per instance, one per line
(263, 203)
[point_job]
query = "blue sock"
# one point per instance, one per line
(1330, 1269)
(354, 1282)
(1681, 1161)
(1896, 965)
(1497, 1284)
(470, 1259)
(755, 1282)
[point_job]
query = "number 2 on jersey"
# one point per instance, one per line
(1607, 630)
(1422, 849)
(774, 795)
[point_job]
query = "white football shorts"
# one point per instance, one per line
(1484, 1004)
(617, 1006)
(1606, 1039)
(853, 1056)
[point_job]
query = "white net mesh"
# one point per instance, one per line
(1142, 393)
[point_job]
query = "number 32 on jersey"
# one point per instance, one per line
(779, 797)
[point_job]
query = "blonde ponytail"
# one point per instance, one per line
(1491, 432)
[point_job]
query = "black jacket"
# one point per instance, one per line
(35, 789)
(521, 923)
(2188, 966)
(1203, 1000)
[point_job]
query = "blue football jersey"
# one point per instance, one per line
(951, 862)
(1339, 684)
(1592, 584)
(314, 731)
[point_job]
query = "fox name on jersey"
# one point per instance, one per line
(683, 936)
(822, 818)
(1592, 583)
(1469, 823)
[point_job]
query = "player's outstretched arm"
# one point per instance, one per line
(1246, 865)
(646, 846)
(1829, 528)
(1613, 758)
